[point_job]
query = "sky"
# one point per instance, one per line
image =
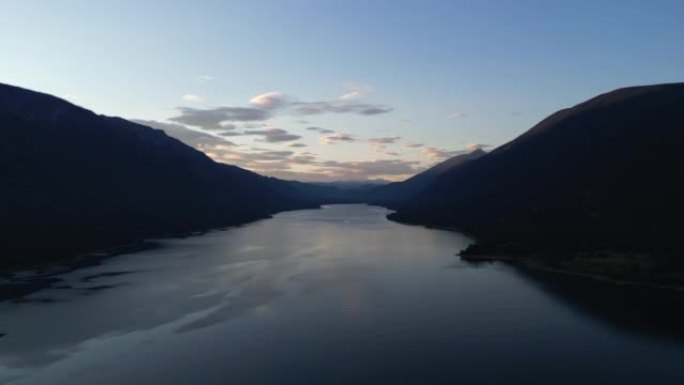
(338, 89)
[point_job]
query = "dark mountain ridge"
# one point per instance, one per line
(605, 174)
(75, 181)
(393, 194)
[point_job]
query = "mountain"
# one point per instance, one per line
(353, 184)
(393, 194)
(605, 174)
(74, 181)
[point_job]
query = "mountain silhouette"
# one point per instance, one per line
(74, 181)
(392, 194)
(607, 173)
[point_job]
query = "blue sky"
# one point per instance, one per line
(393, 86)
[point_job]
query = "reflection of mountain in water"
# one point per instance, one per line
(657, 313)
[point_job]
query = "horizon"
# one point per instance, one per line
(340, 97)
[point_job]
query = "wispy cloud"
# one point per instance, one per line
(477, 146)
(340, 107)
(288, 164)
(336, 138)
(274, 135)
(379, 145)
(320, 130)
(307, 166)
(356, 91)
(435, 154)
(265, 106)
(213, 119)
(269, 100)
(229, 132)
(351, 95)
(385, 140)
(372, 169)
(192, 98)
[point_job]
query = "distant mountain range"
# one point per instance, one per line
(74, 181)
(605, 174)
(354, 184)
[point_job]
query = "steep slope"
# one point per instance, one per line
(74, 181)
(605, 174)
(393, 194)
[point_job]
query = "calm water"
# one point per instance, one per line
(332, 296)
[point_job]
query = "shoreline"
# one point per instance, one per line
(121, 248)
(544, 265)
(541, 265)
(132, 244)
(22, 281)
(18, 281)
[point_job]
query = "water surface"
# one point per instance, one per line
(332, 296)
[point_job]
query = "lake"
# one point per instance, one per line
(338, 295)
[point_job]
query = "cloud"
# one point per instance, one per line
(307, 166)
(248, 159)
(339, 107)
(253, 125)
(305, 158)
(272, 155)
(364, 170)
(274, 135)
(264, 106)
(379, 145)
(212, 119)
(413, 145)
(385, 140)
(327, 171)
(269, 100)
(356, 91)
(258, 160)
(336, 138)
(288, 163)
(434, 154)
(321, 130)
(369, 109)
(476, 146)
(352, 95)
(229, 133)
(457, 115)
(192, 98)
